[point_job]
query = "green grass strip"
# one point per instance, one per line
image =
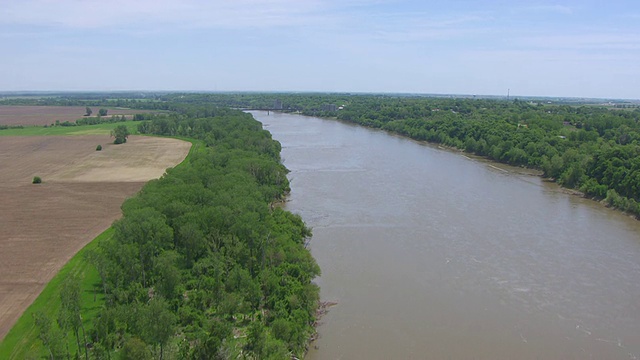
(22, 341)
(99, 129)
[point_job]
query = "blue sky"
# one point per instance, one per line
(564, 48)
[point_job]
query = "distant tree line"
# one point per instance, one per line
(7, 127)
(590, 148)
(114, 119)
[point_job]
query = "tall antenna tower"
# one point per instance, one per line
(508, 91)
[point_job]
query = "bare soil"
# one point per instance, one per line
(44, 225)
(46, 115)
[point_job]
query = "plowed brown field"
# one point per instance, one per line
(43, 226)
(45, 115)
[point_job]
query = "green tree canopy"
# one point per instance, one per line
(120, 133)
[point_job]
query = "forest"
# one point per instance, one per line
(203, 264)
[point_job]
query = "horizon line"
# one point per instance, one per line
(56, 92)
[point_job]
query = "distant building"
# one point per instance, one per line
(277, 105)
(329, 107)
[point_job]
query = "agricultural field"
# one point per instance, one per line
(44, 225)
(45, 115)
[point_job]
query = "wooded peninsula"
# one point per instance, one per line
(202, 265)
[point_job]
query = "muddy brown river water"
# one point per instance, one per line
(433, 255)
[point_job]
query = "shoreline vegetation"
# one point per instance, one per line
(201, 265)
(589, 151)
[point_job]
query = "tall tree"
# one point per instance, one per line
(50, 336)
(135, 349)
(70, 310)
(120, 133)
(158, 323)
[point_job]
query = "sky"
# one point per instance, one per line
(528, 48)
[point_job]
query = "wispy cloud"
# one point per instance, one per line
(92, 14)
(422, 34)
(584, 41)
(557, 9)
(422, 26)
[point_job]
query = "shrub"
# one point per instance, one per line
(36, 180)
(99, 148)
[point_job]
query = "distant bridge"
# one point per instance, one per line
(259, 109)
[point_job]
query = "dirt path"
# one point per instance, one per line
(44, 225)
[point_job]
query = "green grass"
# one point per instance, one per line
(22, 341)
(99, 129)
(196, 146)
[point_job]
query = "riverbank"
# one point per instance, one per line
(472, 259)
(608, 198)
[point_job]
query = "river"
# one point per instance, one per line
(430, 254)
